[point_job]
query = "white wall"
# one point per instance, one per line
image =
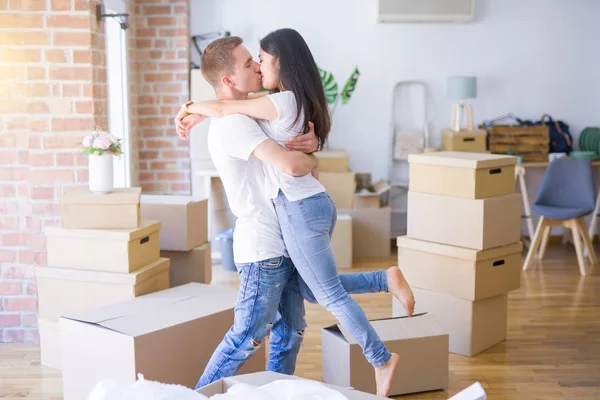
(530, 57)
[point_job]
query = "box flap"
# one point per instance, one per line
(400, 328)
(117, 278)
(168, 199)
(145, 229)
(380, 188)
(82, 195)
(458, 252)
(332, 154)
(463, 159)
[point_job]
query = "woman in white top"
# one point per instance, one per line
(305, 211)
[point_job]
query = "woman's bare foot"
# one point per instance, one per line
(400, 288)
(385, 374)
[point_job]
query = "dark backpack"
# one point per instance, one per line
(560, 138)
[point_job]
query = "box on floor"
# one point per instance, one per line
(340, 186)
(371, 228)
(374, 199)
(110, 250)
(420, 342)
(49, 343)
(167, 336)
(190, 266)
(473, 326)
(184, 220)
(465, 140)
(332, 160)
(119, 209)
(341, 241)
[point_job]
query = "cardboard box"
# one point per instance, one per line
(167, 336)
(190, 266)
(265, 377)
(115, 250)
(341, 241)
(49, 343)
(82, 209)
(184, 220)
(64, 291)
(371, 228)
(467, 141)
(340, 186)
(468, 175)
(372, 200)
(476, 224)
(465, 273)
(332, 160)
(419, 341)
(474, 326)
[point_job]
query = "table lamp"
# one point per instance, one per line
(462, 88)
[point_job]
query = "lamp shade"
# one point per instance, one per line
(462, 87)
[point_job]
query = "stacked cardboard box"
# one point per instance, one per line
(103, 253)
(462, 251)
(184, 235)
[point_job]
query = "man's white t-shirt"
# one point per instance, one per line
(280, 130)
(231, 142)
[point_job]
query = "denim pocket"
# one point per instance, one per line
(272, 262)
(317, 212)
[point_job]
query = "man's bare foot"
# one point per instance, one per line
(385, 374)
(400, 288)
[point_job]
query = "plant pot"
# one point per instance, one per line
(101, 173)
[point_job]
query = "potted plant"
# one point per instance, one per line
(100, 148)
(331, 88)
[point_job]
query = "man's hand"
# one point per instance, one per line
(188, 123)
(306, 143)
(179, 121)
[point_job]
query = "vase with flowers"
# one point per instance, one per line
(100, 148)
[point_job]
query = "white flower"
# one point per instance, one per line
(87, 141)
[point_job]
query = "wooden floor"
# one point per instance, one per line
(552, 350)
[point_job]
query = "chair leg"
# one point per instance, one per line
(535, 243)
(577, 239)
(544, 245)
(586, 239)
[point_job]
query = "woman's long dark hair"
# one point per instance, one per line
(299, 74)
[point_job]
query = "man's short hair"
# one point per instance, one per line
(217, 59)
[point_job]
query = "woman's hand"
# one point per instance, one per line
(188, 122)
(307, 143)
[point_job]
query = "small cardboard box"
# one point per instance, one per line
(467, 175)
(467, 141)
(184, 220)
(190, 266)
(465, 273)
(419, 341)
(64, 291)
(372, 200)
(341, 241)
(332, 160)
(340, 186)
(371, 230)
(474, 326)
(49, 343)
(119, 209)
(115, 250)
(265, 377)
(475, 224)
(167, 336)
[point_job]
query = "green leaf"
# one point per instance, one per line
(330, 86)
(350, 86)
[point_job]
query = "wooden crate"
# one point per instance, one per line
(532, 143)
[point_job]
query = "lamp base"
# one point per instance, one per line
(457, 111)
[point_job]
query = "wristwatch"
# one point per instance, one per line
(319, 144)
(185, 107)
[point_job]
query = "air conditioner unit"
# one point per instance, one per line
(426, 10)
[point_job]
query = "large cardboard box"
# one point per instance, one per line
(371, 228)
(265, 377)
(341, 241)
(64, 291)
(475, 224)
(49, 343)
(374, 199)
(468, 175)
(115, 250)
(420, 342)
(190, 266)
(332, 160)
(340, 186)
(474, 326)
(466, 273)
(464, 140)
(184, 220)
(119, 209)
(167, 336)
